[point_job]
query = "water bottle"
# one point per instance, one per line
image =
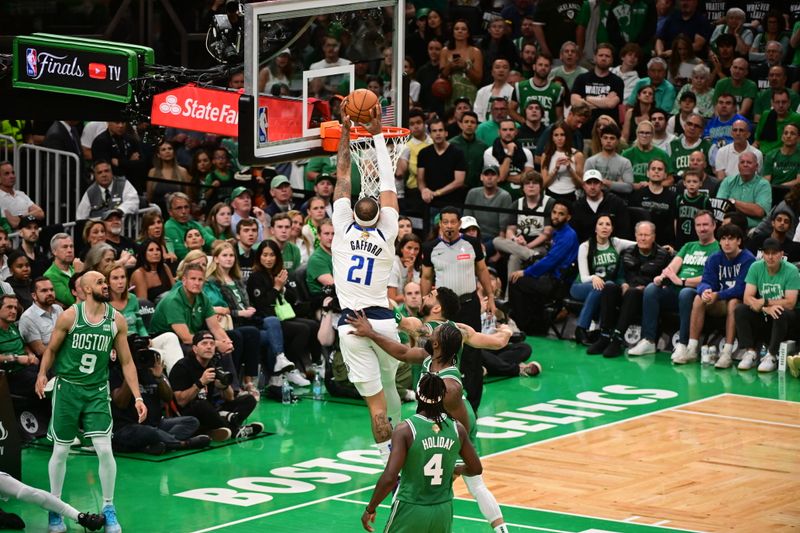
(316, 387)
(286, 392)
(712, 355)
(488, 323)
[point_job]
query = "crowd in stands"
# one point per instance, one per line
(640, 158)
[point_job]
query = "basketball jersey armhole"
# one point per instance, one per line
(77, 317)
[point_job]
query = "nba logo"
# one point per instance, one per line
(31, 65)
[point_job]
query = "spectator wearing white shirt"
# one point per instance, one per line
(498, 88)
(15, 204)
(38, 321)
(727, 162)
(106, 193)
(90, 132)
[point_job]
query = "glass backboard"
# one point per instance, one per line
(302, 57)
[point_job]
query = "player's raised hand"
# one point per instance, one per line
(374, 125)
(360, 323)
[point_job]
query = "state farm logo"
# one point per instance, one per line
(41, 63)
(193, 108)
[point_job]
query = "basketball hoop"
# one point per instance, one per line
(362, 150)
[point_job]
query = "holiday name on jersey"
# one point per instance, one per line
(437, 442)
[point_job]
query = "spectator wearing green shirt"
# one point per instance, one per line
(770, 128)
(770, 299)
(742, 89)
(782, 165)
(319, 273)
(185, 310)
(281, 225)
(20, 363)
(489, 130)
(180, 222)
(674, 288)
(777, 79)
(63, 250)
(642, 152)
(747, 192)
(657, 77)
(472, 147)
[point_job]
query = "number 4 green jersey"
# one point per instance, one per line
(427, 475)
(84, 355)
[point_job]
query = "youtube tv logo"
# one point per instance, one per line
(98, 71)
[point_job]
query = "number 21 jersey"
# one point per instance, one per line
(362, 257)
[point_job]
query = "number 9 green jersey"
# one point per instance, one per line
(84, 355)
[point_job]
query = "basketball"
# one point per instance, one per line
(441, 89)
(359, 104)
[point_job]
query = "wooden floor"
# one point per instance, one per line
(729, 463)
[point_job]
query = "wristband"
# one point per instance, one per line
(138, 399)
(199, 384)
(368, 511)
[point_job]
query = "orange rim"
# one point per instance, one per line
(331, 132)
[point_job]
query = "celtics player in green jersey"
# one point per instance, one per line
(80, 348)
(425, 449)
(440, 356)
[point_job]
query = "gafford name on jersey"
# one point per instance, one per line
(366, 246)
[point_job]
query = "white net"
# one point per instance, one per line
(362, 151)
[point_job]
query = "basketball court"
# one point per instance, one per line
(591, 445)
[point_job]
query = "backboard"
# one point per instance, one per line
(301, 57)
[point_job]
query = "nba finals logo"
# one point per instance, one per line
(31, 64)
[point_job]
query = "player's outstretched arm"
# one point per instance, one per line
(62, 326)
(401, 352)
(388, 191)
(343, 163)
(128, 367)
(401, 441)
(485, 341)
(472, 463)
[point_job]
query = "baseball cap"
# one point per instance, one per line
(285, 51)
(771, 245)
(111, 212)
(592, 174)
(422, 12)
(461, 99)
(469, 222)
(200, 336)
(27, 220)
(326, 177)
(277, 181)
(491, 168)
(238, 191)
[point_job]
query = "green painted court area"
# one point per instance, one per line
(315, 467)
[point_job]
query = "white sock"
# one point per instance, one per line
(692, 346)
(727, 348)
(57, 468)
(16, 489)
(385, 448)
(107, 469)
(486, 502)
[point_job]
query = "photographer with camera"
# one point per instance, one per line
(157, 433)
(203, 390)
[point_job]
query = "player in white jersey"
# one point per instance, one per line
(363, 254)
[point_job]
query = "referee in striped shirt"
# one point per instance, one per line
(454, 261)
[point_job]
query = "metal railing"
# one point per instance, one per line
(8, 150)
(134, 223)
(51, 178)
